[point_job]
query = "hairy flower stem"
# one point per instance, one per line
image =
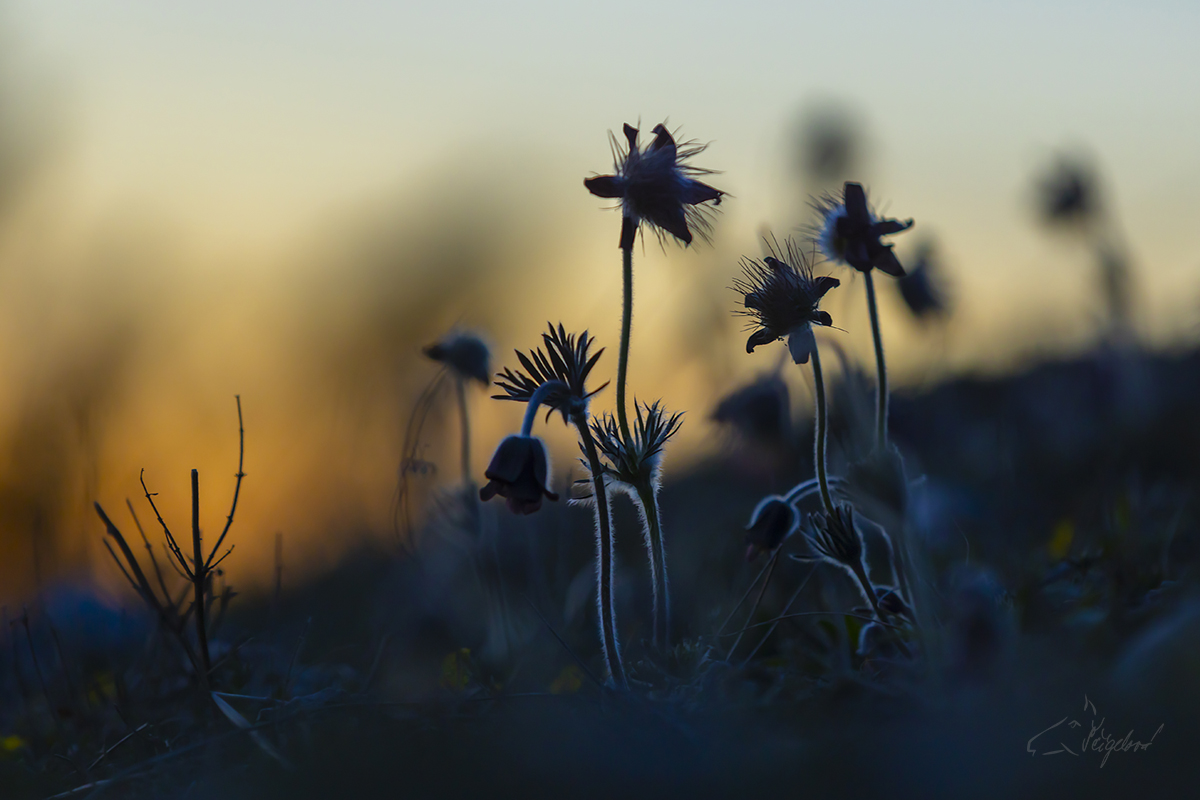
(626, 327)
(539, 397)
(605, 608)
(822, 432)
(881, 381)
(647, 501)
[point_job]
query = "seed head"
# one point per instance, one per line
(657, 186)
(849, 232)
(782, 297)
(565, 359)
(518, 473)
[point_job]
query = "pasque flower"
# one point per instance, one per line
(518, 473)
(774, 519)
(463, 352)
(849, 232)
(657, 186)
(566, 361)
(782, 298)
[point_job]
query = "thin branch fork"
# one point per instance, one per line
(196, 570)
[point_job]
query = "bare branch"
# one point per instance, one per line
(149, 549)
(170, 538)
(237, 488)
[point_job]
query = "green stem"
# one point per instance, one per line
(822, 433)
(881, 381)
(626, 327)
(609, 645)
(647, 499)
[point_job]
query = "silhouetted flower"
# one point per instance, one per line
(518, 473)
(565, 359)
(849, 232)
(1068, 192)
(655, 185)
(782, 297)
(760, 411)
(465, 353)
(920, 287)
(774, 519)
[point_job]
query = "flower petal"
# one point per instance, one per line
(664, 142)
(631, 135)
(886, 227)
(855, 200)
(629, 229)
(696, 192)
(671, 218)
(885, 261)
(824, 283)
(760, 336)
(605, 186)
(801, 344)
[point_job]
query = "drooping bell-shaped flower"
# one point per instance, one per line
(518, 473)
(773, 520)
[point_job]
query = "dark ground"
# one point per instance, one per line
(1054, 513)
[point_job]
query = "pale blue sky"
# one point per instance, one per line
(249, 120)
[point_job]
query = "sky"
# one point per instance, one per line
(256, 192)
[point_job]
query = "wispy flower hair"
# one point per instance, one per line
(781, 296)
(657, 186)
(849, 232)
(565, 359)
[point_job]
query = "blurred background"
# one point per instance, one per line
(286, 200)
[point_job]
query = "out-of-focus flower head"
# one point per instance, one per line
(1067, 193)
(760, 411)
(922, 288)
(518, 473)
(463, 352)
(565, 359)
(831, 142)
(849, 232)
(657, 186)
(781, 296)
(637, 461)
(774, 519)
